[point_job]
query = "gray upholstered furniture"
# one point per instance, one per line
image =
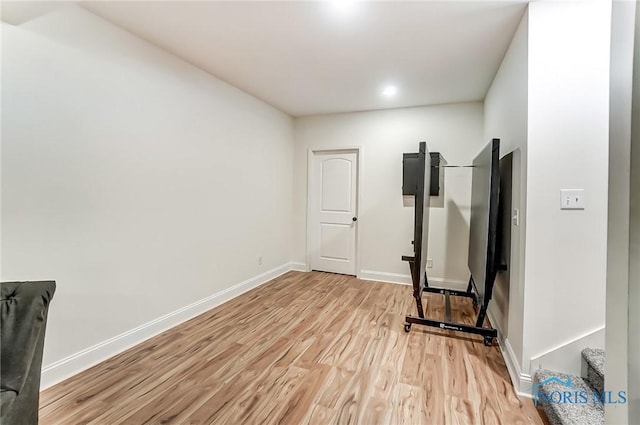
(23, 318)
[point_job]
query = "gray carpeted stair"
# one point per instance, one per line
(556, 386)
(594, 359)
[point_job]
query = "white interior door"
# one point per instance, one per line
(333, 190)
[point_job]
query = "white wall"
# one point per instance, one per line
(505, 117)
(568, 137)
(634, 239)
(386, 226)
(617, 314)
(135, 180)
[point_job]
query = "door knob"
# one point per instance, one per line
(355, 219)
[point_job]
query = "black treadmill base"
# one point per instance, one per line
(488, 333)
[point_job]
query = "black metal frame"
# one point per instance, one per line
(488, 333)
(480, 299)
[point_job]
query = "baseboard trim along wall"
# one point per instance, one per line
(401, 279)
(65, 368)
(521, 381)
(76, 363)
(405, 279)
(567, 357)
(298, 267)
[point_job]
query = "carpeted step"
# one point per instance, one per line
(566, 399)
(594, 357)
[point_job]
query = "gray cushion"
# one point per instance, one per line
(23, 318)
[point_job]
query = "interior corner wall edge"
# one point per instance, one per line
(124, 178)
(505, 117)
(633, 299)
(454, 130)
(623, 21)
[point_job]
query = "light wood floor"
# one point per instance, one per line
(313, 348)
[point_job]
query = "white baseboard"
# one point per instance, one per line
(521, 381)
(567, 357)
(401, 279)
(298, 267)
(82, 360)
(405, 279)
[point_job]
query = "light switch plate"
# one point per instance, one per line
(572, 199)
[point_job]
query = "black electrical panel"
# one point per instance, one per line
(435, 174)
(410, 174)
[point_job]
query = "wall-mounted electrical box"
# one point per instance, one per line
(437, 173)
(410, 173)
(572, 199)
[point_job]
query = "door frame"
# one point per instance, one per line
(359, 154)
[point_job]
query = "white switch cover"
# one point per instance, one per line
(571, 199)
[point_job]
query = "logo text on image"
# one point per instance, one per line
(571, 395)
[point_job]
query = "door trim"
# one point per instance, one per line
(359, 154)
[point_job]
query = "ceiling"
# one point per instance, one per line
(332, 56)
(19, 12)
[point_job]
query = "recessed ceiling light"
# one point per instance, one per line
(390, 91)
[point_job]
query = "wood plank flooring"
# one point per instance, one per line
(306, 348)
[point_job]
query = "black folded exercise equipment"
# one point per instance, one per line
(487, 225)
